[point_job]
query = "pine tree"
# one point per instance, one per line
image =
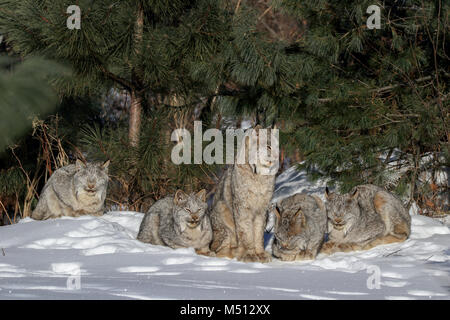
(148, 47)
(174, 55)
(369, 94)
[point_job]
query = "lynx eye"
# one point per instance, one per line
(188, 210)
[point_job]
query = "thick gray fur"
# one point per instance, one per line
(365, 217)
(239, 209)
(301, 223)
(178, 221)
(74, 190)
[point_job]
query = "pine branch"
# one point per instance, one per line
(380, 90)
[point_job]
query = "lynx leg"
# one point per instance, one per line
(98, 213)
(383, 240)
(401, 231)
(149, 230)
(223, 236)
(393, 214)
(221, 243)
(347, 247)
(258, 229)
(205, 252)
(305, 255)
(245, 238)
(37, 214)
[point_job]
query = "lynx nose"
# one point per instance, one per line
(338, 220)
(284, 245)
(91, 185)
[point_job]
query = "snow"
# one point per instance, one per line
(99, 258)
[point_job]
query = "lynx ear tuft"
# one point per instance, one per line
(180, 196)
(105, 165)
(298, 213)
(277, 212)
(201, 195)
(79, 164)
(327, 193)
(320, 203)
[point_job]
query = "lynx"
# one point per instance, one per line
(74, 190)
(366, 217)
(301, 223)
(178, 221)
(238, 213)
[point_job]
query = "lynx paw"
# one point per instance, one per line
(304, 255)
(328, 248)
(224, 253)
(347, 247)
(251, 256)
(264, 257)
(205, 252)
(248, 257)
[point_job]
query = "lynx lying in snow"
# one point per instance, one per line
(178, 221)
(366, 217)
(74, 190)
(300, 227)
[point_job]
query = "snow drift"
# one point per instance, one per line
(99, 258)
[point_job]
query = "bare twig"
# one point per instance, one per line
(237, 6)
(6, 212)
(264, 13)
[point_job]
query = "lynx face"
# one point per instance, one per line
(261, 151)
(266, 164)
(90, 180)
(287, 229)
(342, 210)
(189, 210)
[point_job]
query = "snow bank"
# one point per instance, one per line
(100, 258)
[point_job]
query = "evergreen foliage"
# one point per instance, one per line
(141, 176)
(366, 94)
(25, 94)
(108, 51)
(362, 105)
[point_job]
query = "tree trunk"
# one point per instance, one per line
(134, 129)
(135, 119)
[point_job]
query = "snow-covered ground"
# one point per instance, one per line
(99, 258)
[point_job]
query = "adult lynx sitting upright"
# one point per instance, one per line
(74, 190)
(178, 221)
(238, 213)
(366, 217)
